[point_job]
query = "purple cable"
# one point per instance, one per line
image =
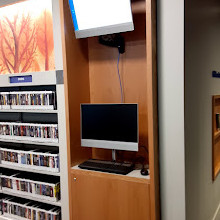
(122, 98)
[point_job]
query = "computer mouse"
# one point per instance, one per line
(144, 172)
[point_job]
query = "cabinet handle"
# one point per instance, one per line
(74, 179)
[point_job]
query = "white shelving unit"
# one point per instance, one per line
(4, 79)
(29, 170)
(62, 138)
(32, 198)
(30, 111)
(4, 218)
(29, 142)
(46, 78)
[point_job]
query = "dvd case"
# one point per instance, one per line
(5, 100)
(37, 159)
(17, 208)
(28, 184)
(29, 132)
(29, 100)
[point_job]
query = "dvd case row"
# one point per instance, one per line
(17, 208)
(39, 100)
(37, 159)
(29, 132)
(27, 184)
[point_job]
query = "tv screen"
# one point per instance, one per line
(111, 126)
(101, 17)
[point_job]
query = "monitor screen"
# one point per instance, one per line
(101, 17)
(111, 126)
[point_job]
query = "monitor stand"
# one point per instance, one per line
(108, 166)
(114, 155)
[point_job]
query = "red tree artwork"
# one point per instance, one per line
(26, 37)
(18, 43)
(45, 36)
(2, 68)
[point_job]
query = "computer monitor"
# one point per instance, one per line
(101, 17)
(110, 126)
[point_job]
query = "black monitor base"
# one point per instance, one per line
(107, 166)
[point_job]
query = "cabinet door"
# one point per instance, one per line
(97, 196)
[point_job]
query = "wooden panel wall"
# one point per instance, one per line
(151, 24)
(76, 80)
(215, 137)
(104, 82)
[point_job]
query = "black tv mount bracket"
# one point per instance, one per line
(113, 40)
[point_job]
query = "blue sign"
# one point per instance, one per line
(20, 79)
(215, 74)
(73, 12)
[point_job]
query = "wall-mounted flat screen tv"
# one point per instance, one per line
(101, 17)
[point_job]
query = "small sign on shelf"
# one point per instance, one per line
(20, 79)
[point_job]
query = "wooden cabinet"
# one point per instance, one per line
(98, 196)
(90, 76)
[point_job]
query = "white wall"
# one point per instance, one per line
(171, 108)
(202, 46)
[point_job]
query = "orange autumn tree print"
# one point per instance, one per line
(26, 37)
(17, 43)
(45, 36)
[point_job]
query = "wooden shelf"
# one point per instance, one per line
(29, 170)
(33, 198)
(29, 142)
(5, 218)
(138, 7)
(28, 111)
(135, 175)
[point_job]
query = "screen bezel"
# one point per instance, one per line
(112, 145)
(97, 31)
